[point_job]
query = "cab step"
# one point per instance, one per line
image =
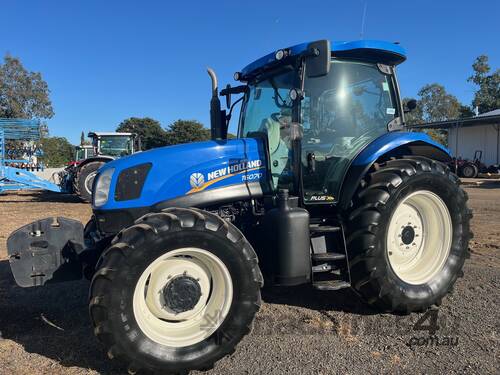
(331, 285)
(315, 228)
(327, 257)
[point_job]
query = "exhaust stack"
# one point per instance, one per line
(218, 128)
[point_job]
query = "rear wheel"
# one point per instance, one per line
(408, 234)
(176, 291)
(470, 170)
(85, 179)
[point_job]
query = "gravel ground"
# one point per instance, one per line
(298, 330)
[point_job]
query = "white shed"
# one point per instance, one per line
(464, 140)
(468, 135)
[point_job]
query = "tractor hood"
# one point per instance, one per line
(189, 174)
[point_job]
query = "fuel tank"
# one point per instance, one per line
(286, 242)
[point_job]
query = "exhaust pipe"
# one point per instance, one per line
(215, 85)
(217, 117)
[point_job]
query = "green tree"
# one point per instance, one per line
(487, 97)
(57, 151)
(435, 104)
(23, 94)
(149, 130)
(185, 131)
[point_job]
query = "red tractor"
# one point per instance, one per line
(469, 169)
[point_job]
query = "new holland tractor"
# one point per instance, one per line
(322, 186)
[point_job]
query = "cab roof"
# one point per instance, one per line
(100, 134)
(367, 50)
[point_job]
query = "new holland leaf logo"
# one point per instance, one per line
(196, 180)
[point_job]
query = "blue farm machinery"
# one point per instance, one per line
(19, 154)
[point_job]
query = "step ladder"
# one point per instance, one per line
(330, 266)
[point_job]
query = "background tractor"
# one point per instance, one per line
(322, 186)
(83, 152)
(79, 176)
(471, 169)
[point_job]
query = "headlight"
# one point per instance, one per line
(101, 190)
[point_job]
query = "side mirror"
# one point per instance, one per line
(410, 105)
(318, 61)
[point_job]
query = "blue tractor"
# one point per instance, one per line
(322, 186)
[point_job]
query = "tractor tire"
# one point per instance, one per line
(85, 179)
(175, 292)
(408, 234)
(469, 170)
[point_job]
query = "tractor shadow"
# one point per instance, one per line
(344, 300)
(39, 196)
(52, 321)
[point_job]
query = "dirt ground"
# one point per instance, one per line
(298, 330)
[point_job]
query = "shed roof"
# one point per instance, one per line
(488, 118)
(490, 113)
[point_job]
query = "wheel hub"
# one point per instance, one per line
(408, 235)
(182, 294)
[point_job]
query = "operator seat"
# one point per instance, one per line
(278, 149)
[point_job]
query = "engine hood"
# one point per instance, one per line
(188, 169)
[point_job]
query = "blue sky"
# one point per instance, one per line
(106, 61)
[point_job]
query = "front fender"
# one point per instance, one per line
(104, 159)
(388, 145)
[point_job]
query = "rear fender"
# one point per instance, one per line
(389, 145)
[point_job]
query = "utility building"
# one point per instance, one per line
(468, 135)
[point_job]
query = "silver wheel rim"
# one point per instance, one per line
(419, 237)
(179, 329)
(89, 180)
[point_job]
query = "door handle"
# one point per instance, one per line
(311, 162)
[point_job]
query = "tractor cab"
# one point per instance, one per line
(83, 152)
(113, 144)
(318, 114)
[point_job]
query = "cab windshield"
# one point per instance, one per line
(80, 154)
(115, 145)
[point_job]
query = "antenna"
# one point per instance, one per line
(361, 35)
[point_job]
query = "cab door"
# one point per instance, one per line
(341, 114)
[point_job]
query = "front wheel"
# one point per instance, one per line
(175, 292)
(408, 234)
